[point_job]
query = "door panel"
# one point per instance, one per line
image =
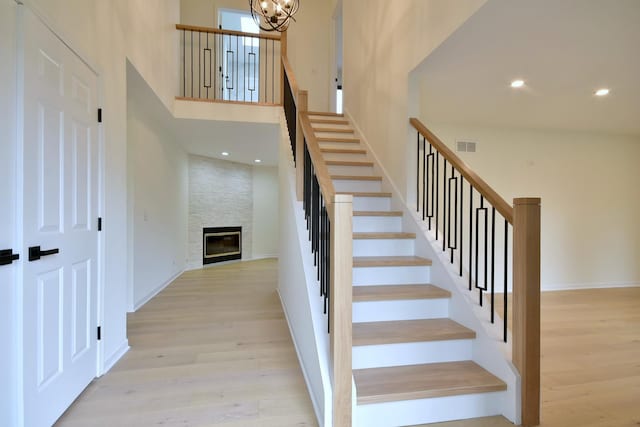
(59, 211)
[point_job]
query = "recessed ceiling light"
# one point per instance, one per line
(517, 83)
(257, 160)
(602, 92)
(224, 153)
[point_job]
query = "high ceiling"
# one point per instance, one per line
(563, 49)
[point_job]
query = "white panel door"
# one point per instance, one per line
(59, 215)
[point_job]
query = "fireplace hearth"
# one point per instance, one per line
(221, 244)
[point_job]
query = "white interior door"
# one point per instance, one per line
(59, 210)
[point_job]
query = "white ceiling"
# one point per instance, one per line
(563, 49)
(244, 141)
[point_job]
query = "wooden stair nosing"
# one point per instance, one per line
(378, 213)
(380, 236)
(338, 140)
(365, 193)
(356, 178)
(343, 150)
(398, 292)
(329, 122)
(332, 130)
(324, 113)
(378, 385)
(405, 331)
(348, 163)
(390, 261)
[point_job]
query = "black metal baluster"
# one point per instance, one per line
(430, 185)
(470, 235)
(493, 259)
(461, 252)
(445, 207)
(418, 175)
(273, 71)
(424, 177)
(184, 63)
(435, 197)
(506, 269)
(199, 64)
(191, 64)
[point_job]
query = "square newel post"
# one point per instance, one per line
(302, 107)
(526, 305)
(340, 307)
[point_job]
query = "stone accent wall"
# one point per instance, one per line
(220, 195)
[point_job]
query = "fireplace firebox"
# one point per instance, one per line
(221, 244)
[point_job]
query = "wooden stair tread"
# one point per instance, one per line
(377, 213)
(356, 178)
(403, 331)
(333, 130)
(348, 163)
(339, 140)
(390, 261)
(378, 385)
(343, 150)
(398, 292)
(366, 193)
(324, 113)
(330, 121)
(388, 235)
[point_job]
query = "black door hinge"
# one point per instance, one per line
(7, 256)
(100, 224)
(99, 333)
(99, 115)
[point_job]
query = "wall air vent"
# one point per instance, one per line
(466, 146)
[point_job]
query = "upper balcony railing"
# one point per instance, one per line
(224, 65)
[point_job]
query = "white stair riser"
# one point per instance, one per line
(362, 224)
(412, 353)
(350, 185)
(383, 247)
(350, 170)
(371, 203)
(404, 275)
(424, 411)
(349, 145)
(379, 311)
(345, 156)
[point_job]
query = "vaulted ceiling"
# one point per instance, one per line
(563, 49)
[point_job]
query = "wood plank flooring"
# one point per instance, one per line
(590, 360)
(212, 349)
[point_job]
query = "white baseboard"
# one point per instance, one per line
(316, 408)
(113, 359)
(552, 287)
(156, 291)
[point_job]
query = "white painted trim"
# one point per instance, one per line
(156, 291)
(314, 401)
(113, 359)
(554, 287)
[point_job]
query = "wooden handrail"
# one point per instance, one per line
(320, 167)
(227, 32)
(478, 183)
(292, 79)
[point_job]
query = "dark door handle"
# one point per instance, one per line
(35, 253)
(7, 256)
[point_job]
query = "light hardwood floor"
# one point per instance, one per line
(213, 348)
(590, 360)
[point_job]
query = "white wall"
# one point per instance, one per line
(383, 42)
(7, 209)
(158, 172)
(220, 195)
(588, 185)
(265, 212)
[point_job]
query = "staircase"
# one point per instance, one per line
(412, 364)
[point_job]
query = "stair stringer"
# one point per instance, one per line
(489, 351)
(298, 290)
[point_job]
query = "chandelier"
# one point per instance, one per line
(273, 15)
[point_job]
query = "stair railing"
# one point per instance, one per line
(232, 66)
(473, 223)
(329, 222)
